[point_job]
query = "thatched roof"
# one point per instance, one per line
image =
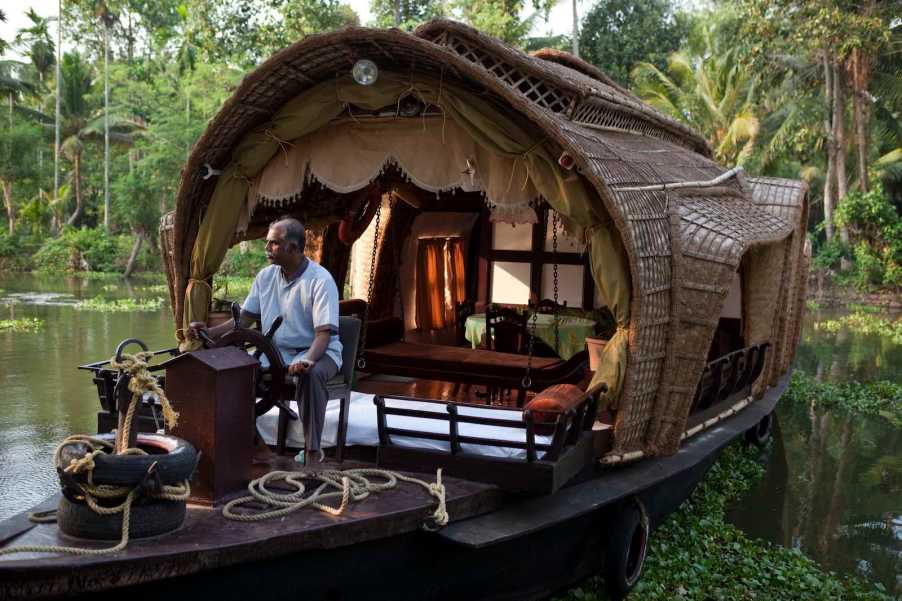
(694, 238)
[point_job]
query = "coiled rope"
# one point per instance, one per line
(141, 382)
(345, 485)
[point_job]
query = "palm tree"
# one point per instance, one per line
(3, 43)
(82, 123)
(708, 89)
(38, 44)
(107, 18)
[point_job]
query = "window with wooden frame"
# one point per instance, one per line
(517, 264)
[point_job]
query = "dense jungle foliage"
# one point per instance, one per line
(791, 88)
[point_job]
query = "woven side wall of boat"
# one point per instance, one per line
(682, 246)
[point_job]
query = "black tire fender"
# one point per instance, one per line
(626, 547)
(175, 459)
(148, 517)
(760, 433)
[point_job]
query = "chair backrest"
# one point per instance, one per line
(349, 335)
(505, 330)
(354, 307)
(546, 305)
(462, 310)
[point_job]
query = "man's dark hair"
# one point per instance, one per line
(294, 230)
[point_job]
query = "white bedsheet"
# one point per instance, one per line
(362, 429)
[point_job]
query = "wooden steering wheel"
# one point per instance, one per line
(249, 338)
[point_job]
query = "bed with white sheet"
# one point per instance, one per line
(363, 428)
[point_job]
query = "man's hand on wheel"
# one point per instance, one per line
(197, 330)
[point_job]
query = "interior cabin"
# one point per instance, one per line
(491, 211)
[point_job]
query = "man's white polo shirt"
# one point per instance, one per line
(305, 303)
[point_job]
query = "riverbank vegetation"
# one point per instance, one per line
(788, 88)
(697, 555)
(864, 321)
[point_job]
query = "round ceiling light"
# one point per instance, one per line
(365, 72)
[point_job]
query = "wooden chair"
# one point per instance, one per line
(462, 310)
(546, 305)
(505, 330)
(339, 386)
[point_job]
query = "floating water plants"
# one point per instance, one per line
(120, 305)
(26, 324)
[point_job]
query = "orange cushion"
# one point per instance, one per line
(554, 400)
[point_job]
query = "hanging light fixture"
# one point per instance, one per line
(365, 72)
(410, 106)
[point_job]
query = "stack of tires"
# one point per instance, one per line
(169, 461)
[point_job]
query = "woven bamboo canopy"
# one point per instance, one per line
(663, 253)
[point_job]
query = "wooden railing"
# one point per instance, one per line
(729, 376)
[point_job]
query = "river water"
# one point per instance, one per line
(833, 486)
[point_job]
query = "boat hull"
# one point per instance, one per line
(526, 549)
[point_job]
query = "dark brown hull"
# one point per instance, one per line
(496, 547)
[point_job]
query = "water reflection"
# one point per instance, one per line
(834, 483)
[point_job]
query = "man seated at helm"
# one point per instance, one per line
(305, 295)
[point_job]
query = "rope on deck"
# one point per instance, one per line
(345, 485)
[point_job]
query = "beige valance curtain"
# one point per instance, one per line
(436, 154)
(496, 129)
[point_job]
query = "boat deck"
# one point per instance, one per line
(207, 540)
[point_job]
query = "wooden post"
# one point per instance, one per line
(213, 391)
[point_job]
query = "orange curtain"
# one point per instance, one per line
(456, 279)
(430, 284)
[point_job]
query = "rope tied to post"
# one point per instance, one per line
(96, 494)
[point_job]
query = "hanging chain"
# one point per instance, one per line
(527, 381)
(361, 354)
(554, 315)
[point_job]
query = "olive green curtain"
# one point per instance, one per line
(493, 127)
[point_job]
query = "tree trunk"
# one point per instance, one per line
(8, 201)
(133, 257)
(839, 140)
(76, 175)
(831, 152)
(56, 125)
(861, 114)
(106, 126)
(397, 13)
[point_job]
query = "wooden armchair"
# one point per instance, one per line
(339, 387)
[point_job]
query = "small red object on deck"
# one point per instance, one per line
(213, 391)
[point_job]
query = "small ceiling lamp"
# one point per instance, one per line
(410, 106)
(365, 72)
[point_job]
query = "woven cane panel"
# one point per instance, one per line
(782, 197)
(695, 326)
(717, 228)
(594, 114)
(535, 89)
(783, 316)
(789, 200)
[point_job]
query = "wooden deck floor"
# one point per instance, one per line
(207, 540)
